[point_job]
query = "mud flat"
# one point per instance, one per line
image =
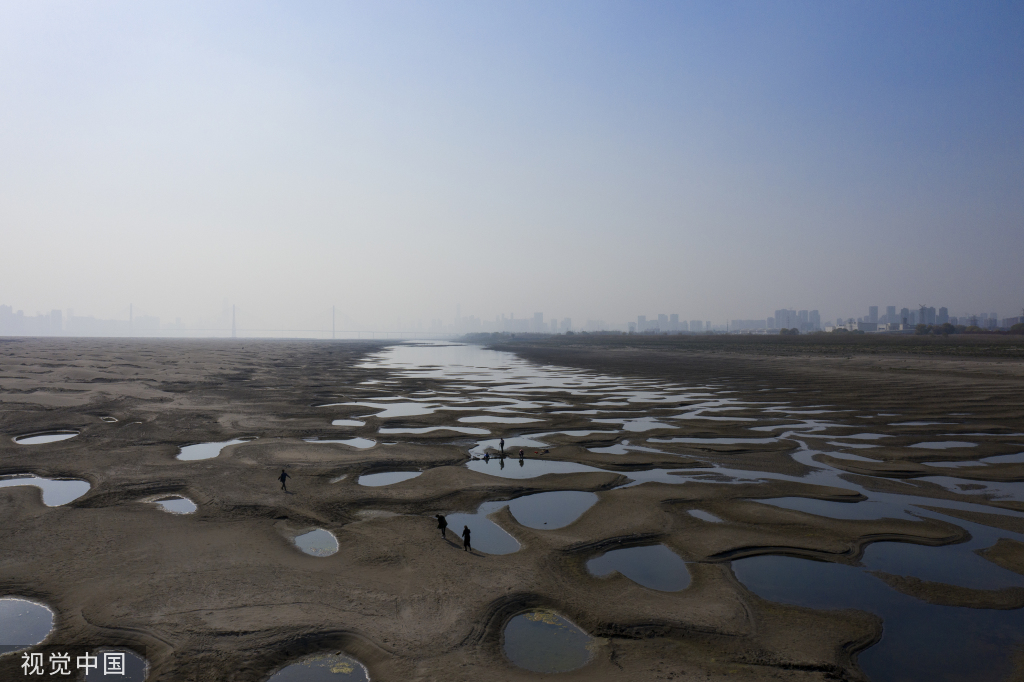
(682, 448)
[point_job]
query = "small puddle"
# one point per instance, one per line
(206, 450)
(318, 543)
(486, 419)
(56, 491)
(653, 566)
(109, 420)
(944, 444)
(48, 437)
(704, 516)
(23, 623)
(177, 505)
(323, 668)
(347, 422)
(133, 667)
(548, 511)
(486, 536)
(545, 642)
(428, 429)
(386, 478)
(512, 467)
(715, 441)
(361, 443)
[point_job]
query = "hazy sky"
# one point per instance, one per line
(585, 159)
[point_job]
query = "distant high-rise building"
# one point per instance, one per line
(683, 326)
(873, 313)
(673, 323)
(538, 322)
(904, 316)
(641, 323)
(566, 324)
(707, 326)
(814, 320)
(663, 322)
(943, 317)
(803, 320)
(696, 326)
(890, 314)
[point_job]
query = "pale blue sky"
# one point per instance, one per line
(585, 159)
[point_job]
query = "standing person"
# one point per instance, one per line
(503, 446)
(465, 539)
(442, 523)
(284, 477)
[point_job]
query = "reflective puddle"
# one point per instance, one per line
(49, 437)
(134, 667)
(386, 478)
(56, 491)
(207, 450)
(318, 543)
(511, 467)
(177, 505)
(109, 420)
(347, 422)
(547, 511)
(323, 668)
(457, 429)
(486, 536)
(654, 566)
(864, 510)
(23, 623)
(704, 516)
(487, 419)
(545, 642)
(361, 443)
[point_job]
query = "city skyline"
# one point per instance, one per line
(15, 322)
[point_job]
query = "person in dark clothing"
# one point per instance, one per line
(465, 539)
(503, 446)
(442, 523)
(283, 477)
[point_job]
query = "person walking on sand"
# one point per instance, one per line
(465, 539)
(442, 523)
(284, 477)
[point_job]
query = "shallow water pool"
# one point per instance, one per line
(23, 623)
(653, 566)
(323, 668)
(544, 642)
(318, 543)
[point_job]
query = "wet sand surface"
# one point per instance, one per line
(805, 458)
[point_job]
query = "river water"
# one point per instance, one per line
(921, 641)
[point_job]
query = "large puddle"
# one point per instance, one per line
(317, 543)
(544, 642)
(207, 450)
(56, 491)
(509, 467)
(23, 623)
(653, 566)
(323, 668)
(361, 443)
(548, 511)
(486, 536)
(49, 437)
(921, 642)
